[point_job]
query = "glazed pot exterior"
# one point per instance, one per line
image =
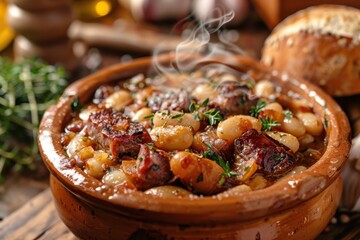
(298, 207)
(91, 220)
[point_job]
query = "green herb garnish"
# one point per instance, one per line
(221, 162)
(205, 102)
(196, 116)
(288, 114)
(255, 110)
(268, 124)
(27, 89)
(178, 115)
(151, 117)
(193, 107)
(76, 105)
(213, 116)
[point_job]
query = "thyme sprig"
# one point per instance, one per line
(268, 123)
(255, 110)
(196, 106)
(27, 89)
(214, 116)
(221, 162)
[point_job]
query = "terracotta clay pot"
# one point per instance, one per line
(296, 208)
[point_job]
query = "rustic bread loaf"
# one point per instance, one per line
(320, 44)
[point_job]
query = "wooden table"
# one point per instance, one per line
(37, 219)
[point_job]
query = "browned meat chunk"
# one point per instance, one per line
(272, 159)
(75, 126)
(115, 132)
(176, 99)
(152, 168)
(210, 141)
(234, 98)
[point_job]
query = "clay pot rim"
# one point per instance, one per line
(281, 195)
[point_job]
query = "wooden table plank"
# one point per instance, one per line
(37, 219)
(58, 231)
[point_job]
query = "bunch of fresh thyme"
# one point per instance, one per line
(27, 89)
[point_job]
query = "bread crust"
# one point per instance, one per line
(320, 44)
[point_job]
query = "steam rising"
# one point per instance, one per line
(199, 42)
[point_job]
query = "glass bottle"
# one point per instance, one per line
(6, 33)
(92, 9)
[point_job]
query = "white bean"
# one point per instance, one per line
(140, 115)
(236, 190)
(264, 88)
(312, 123)
(174, 118)
(204, 91)
(234, 126)
(116, 177)
(300, 105)
(293, 126)
(118, 100)
(172, 138)
(273, 111)
(306, 140)
(286, 139)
